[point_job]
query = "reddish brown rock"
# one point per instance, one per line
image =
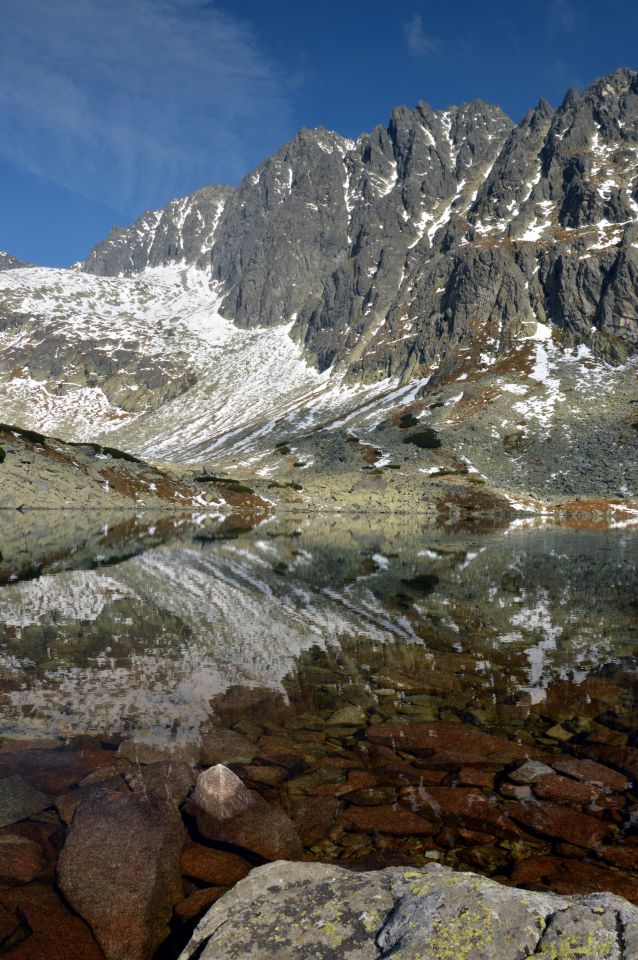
(169, 780)
(567, 699)
(280, 751)
(392, 819)
(559, 788)
(8, 924)
(591, 772)
(227, 811)
(216, 867)
(449, 745)
(313, 817)
(119, 869)
(51, 771)
(270, 776)
(67, 803)
(360, 779)
(21, 859)
(559, 822)
(226, 746)
(197, 903)
(515, 791)
(53, 932)
(624, 856)
(467, 807)
(372, 796)
(572, 876)
(45, 836)
(473, 777)
(625, 758)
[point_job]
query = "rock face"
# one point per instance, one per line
(181, 231)
(120, 870)
(446, 230)
(228, 811)
(8, 262)
(301, 910)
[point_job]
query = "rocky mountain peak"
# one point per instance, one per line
(442, 227)
(9, 262)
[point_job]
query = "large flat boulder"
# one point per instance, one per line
(299, 910)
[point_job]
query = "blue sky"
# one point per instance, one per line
(110, 108)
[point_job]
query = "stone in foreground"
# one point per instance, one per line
(298, 910)
(119, 869)
(227, 811)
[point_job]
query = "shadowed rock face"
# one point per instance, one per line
(444, 231)
(299, 910)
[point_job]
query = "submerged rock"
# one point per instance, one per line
(19, 800)
(297, 910)
(226, 810)
(120, 870)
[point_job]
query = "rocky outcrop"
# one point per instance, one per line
(299, 910)
(180, 232)
(9, 262)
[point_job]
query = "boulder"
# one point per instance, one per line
(298, 910)
(449, 745)
(169, 780)
(148, 751)
(21, 859)
(388, 818)
(591, 772)
(19, 800)
(226, 746)
(50, 930)
(227, 811)
(559, 822)
(192, 907)
(50, 771)
(530, 772)
(119, 869)
(219, 868)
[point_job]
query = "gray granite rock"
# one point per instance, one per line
(180, 231)
(19, 800)
(314, 910)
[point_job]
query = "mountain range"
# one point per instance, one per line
(449, 296)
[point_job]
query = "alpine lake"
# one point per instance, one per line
(404, 693)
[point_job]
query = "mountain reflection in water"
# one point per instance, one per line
(321, 614)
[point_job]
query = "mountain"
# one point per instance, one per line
(182, 231)
(444, 227)
(449, 301)
(7, 262)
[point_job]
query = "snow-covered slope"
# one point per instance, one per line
(148, 362)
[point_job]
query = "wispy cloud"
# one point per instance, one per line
(129, 101)
(563, 15)
(417, 41)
